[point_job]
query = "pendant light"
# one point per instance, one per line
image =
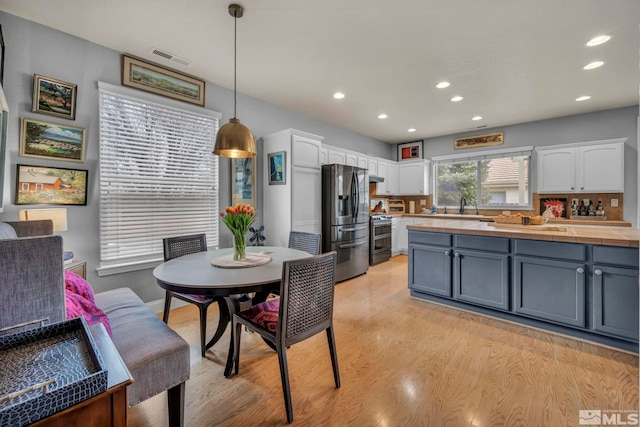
(234, 139)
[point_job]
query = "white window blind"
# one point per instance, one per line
(158, 176)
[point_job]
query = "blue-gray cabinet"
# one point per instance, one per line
(481, 278)
(550, 289)
(615, 301)
(430, 257)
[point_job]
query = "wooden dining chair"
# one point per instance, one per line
(304, 309)
(175, 247)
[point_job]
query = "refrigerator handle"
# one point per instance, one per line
(356, 194)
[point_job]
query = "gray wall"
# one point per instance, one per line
(609, 124)
(35, 49)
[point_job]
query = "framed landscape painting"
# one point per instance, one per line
(54, 97)
(153, 78)
(243, 181)
(51, 141)
(41, 185)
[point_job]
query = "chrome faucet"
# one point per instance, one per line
(463, 203)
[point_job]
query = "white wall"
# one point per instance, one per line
(609, 124)
(31, 48)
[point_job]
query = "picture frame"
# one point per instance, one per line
(2, 48)
(495, 138)
(54, 97)
(409, 151)
(277, 168)
(44, 185)
(51, 141)
(154, 78)
(243, 181)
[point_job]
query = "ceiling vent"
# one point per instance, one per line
(170, 56)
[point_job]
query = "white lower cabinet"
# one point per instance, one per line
(403, 234)
(394, 236)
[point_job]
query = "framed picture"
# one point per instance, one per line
(1, 57)
(51, 141)
(41, 185)
(496, 138)
(553, 208)
(54, 97)
(410, 151)
(243, 181)
(277, 168)
(154, 78)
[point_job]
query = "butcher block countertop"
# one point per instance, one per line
(555, 221)
(587, 234)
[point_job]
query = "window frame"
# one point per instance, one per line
(479, 157)
(130, 262)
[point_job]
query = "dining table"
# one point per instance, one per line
(214, 273)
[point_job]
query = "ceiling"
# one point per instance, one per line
(513, 61)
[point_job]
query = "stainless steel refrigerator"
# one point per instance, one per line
(345, 218)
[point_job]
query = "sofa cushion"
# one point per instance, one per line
(148, 347)
(7, 231)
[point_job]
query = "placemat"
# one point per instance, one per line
(253, 260)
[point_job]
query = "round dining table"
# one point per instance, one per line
(195, 274)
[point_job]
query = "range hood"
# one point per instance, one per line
(373, 178)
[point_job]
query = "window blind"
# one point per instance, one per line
(158, 176)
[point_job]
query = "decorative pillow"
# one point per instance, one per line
(78, 306)
(76, 284)
(264, 314)
(7, 231)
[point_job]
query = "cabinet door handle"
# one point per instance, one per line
(447, 253)
(598, 272)
(456, 254)
(572, 188)
(582, 188)
(580, 270)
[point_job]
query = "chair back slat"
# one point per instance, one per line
(308, 242)
(175, 247)
(306, 297)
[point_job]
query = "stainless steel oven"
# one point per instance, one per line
(379, 238)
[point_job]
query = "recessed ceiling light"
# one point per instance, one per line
(411, 130)
(476, 118)
(338, 95)
(598, 40)
(457, 98)
(442, 85)
(583, 98)
(593, 65)
(382, 116)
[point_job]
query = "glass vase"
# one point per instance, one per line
(239, 247)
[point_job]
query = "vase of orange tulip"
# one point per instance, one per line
(238, 219)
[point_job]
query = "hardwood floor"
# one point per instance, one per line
(403, 362)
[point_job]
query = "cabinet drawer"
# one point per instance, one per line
(627, 257)
(493, 244)
(570, 251)
(426, 238)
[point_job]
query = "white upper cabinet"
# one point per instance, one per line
(324, 156)
(581, 168)
(414, 177)
(381, 187)
(305, 150)
(392, 179)
(351, 159)
(363, 162)
(337, 156)
(373, 166)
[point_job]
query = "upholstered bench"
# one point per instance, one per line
(156, 356)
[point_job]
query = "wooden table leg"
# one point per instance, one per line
(232, 307)
(224, 319)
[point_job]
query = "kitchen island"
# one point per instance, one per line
(576, 280)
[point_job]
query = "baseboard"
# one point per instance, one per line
(157, 306)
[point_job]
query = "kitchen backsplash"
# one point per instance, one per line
(612, 213)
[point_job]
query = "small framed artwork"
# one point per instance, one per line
(243, 181)
(54, 97)
(496, 138)
(410, 151)
(553, 208)
(277, 168)
(41, 185)
(154, 78)
(51, 141)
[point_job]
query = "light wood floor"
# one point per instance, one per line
(403, 362)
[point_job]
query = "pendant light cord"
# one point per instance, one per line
(235, 66)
